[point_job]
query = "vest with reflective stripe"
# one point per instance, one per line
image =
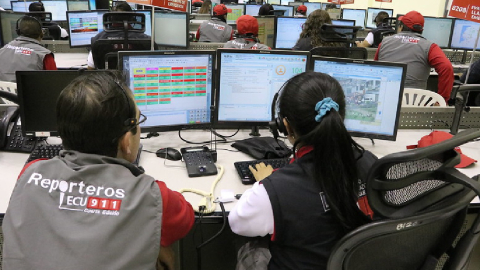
(215, 30)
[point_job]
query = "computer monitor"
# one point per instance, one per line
(266, 30)
(344, 22)
(8, 24)
(252, 10)
(358, 15)
(372, 14)
(83, 25)
(5, 4)
(294, 4)
(312, 6)
(373, 94)
(247, 81)
(92, 4)
(289, 10)
(285, 2)
(287, 31)
(19, 6)
(326, 6)
(171, 29)
(438, 30)
(73, 5)
(38, 92)
(174, 89)
(58, 8)
(464, 34)
(273, 2)
(237, 11)
(132, 5)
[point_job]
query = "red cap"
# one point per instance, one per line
(302, 9)
(247, 24)
(413, 20)
(221, 10)
(440, 136)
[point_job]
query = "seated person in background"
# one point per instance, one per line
(216, 29)
(96, 199)
(38, 6)
(205, 8)
(121, 6)
(312, 109)
(372, 39)
(310, 36)
(265, 10)
(408, 46)
(246, 37)
(301, 11)
(197, 3)
(473, 78)
(25, 51)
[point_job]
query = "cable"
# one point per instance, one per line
(225, 136)
(204, 142)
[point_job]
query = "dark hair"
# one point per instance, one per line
(36, 6)
(122, 6)
(408, 29)
(334, 149)
(206, 6)
(91, 113)
(380, 16)
(31, 27)
(265, 10)
(313, 26)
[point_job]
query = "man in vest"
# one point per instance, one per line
(246, 37)
(25, 52)
(301, 11)
(91, 207)
(216, 29)
(38, 7)
(373, 39)
(408, 46)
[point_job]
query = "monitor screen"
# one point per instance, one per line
(312, 6)
(237, 11)
(92, 4)
(171, 28)
(326, 6)
(287, 31)
(5, 4)
(372, 14)
(288, 9)
(8, 23)
(174, 89)
(83, 25)
(438, 30)
(273, 2)
(252, 10)
(284, 2)
(20, 6)
(132, 5)
(358, 15)
(464, 34)
(344, 22)
(266, 30)
(73, 5)
(294, 4)
(373, 94)
(58, 8)
(247, 81)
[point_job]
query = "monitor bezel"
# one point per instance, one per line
(451, 38)
(370, 135)
(187, 23)
(68, 23)
(364, 19)
(165, 128)
(292, 8)
(276, 30)
(374, 8)
(246, 124)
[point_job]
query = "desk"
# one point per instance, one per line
(71, 60)
(174, 173)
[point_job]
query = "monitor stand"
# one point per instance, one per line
(255, 131)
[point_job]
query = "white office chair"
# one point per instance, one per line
(421, 98)
(8, 87)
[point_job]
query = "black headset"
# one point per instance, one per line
(276, 125)
(17, 28)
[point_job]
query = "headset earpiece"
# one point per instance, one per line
(17, 29)
(276, 125)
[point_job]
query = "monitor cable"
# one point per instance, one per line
(204, 142)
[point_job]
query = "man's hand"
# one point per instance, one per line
(261, 171)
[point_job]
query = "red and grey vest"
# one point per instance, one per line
(83, 211)
(215, 30)
(243, 43)
(412, 49)
(22, 53)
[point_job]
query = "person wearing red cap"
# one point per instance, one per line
(246, 37)
(216, 29)
(408, 46)
(301, 11)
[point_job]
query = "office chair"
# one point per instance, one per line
(460, 96)
(342, 34)
(105, 51)
(420, 203)
(342, 52)
(387, 28)
(413, 97)
(8, 93)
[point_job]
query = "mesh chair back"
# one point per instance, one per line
(107, 49)
(342, 52)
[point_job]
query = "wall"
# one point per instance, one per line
(426, 7)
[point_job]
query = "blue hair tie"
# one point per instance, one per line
(323, 107)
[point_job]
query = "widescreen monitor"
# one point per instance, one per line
(171, 29)
(252, 10)
(294, 4)
(247, 81)
(83, 25)
(344, 22)
(174, 89)
(132, 5)
(266, 30)
(285, 2)
(287, 31)
(312, 6)
(372, 14)
(464, 35)
(438, 30)
(289, 10)
(58, 8)
(237, 11)
(5, 4)
(73, 5)
(326, 6)
(273, 2)
(8, 24)
(19, 6)
(358, 15)
(373, 94)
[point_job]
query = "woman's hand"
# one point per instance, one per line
(261, 171)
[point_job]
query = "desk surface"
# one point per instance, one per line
(174, 173)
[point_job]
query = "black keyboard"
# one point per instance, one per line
(45, 151)
(246, 175)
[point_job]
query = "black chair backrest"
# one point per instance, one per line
(341, 52)
(277, 12)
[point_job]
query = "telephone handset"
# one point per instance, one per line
(11, 138)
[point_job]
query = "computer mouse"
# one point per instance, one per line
(169, 153)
